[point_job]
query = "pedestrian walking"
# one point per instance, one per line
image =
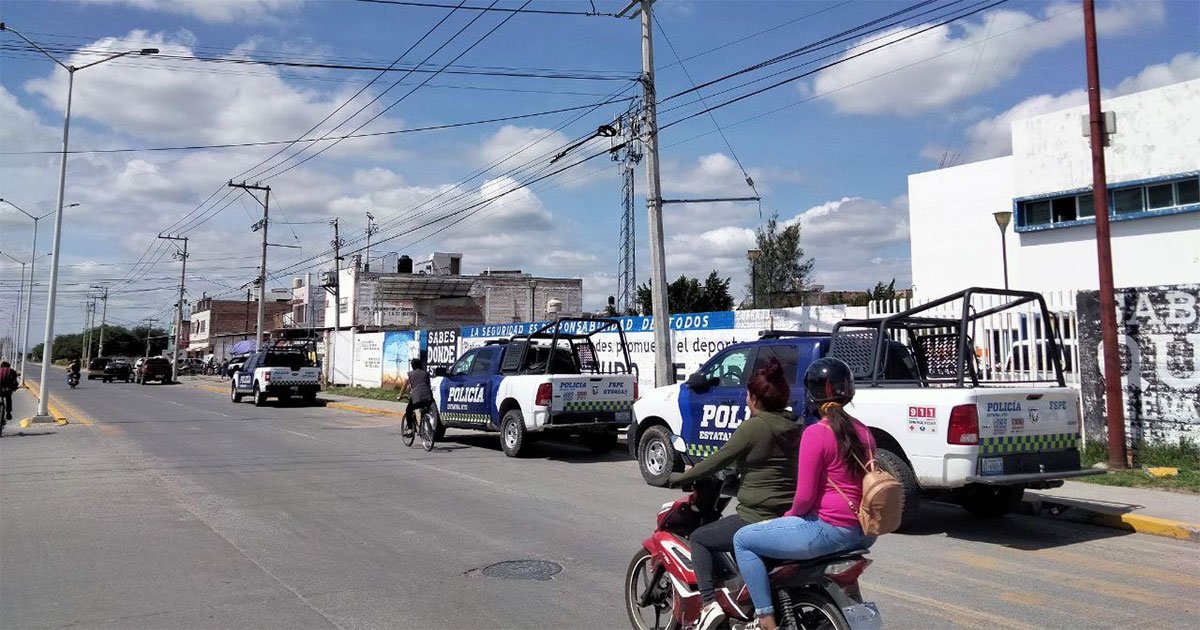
(8, 384)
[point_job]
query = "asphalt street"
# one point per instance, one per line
(172, 507)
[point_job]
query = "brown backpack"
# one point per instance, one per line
(882, 503)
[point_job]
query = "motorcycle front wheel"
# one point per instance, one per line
(659, 612)
(809, 610)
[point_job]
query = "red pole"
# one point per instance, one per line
(1114, 405)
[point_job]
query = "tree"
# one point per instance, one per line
(118, 342)
(781, 273)
(883, 291)
(687, 295)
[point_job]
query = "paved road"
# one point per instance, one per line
(176, 508)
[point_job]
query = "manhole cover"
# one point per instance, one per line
(523, 570)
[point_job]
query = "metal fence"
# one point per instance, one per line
(1011, 346)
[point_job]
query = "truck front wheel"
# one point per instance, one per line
(990, 501)
(512, 433)
(898, 468)
(656, 457)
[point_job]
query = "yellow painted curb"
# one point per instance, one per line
(60, 418)
(360, 409)
(211, 388)
(1161, 527)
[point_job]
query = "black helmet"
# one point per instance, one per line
(829, 380)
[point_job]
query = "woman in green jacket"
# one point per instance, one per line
(764, 449)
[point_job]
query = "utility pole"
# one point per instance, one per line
(664, 368)
(337, 298)
(1113, 403)
(178, 307)
(262, 273)
(103, 317)
(370, 231)
(627, 153)
(149, 328)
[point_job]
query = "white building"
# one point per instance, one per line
(1153, 165)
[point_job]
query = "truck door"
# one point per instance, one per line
(463, 396)
(245, 377)
(711, 416)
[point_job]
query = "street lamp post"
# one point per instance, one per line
(43, 412)
(32, 270)
(18, 341)
(753, 255)
(1003, 217)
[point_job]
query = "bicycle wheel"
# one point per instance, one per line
(427, 437)
(408, 432)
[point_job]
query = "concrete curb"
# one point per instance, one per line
(1082, 512)
(332, 404)
(60, 418)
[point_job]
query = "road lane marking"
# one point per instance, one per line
(976, 618)
(299, 433)
(1084, 583)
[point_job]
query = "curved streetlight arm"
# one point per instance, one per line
(4, 27)
(22, 210)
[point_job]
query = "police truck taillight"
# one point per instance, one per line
(964, 425)
(544, 395)
(267, 376)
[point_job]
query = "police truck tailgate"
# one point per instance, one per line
(592, 394)
(1026, 433)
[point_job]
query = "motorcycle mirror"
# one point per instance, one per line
(679, 445)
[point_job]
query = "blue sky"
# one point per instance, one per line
(831, 151)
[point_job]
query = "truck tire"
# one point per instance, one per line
(600, 443)
(990, 501)
(896, 467)
(260, 398)
(512, 433)
(310, 398)
(656, 457)
(233, 393)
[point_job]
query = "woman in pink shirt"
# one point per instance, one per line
(823, 518)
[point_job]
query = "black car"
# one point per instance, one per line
(118, 370)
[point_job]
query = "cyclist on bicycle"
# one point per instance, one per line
(417, 391)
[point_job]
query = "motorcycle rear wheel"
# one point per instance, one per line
(811, 610)
(659, 615)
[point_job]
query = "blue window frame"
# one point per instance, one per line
(1129, 200)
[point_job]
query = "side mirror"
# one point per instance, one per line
(439, 371)
(678, 444)
(697, 383)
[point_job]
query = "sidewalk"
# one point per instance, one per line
(1171, 514)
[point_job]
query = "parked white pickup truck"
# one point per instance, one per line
(282, 373)
(547, 382)
(939, 425)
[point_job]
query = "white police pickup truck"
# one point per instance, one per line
(544, 383)
(283, 373)
(940, 423)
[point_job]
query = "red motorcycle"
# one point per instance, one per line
(660, 584)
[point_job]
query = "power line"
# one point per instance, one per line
(262, 143)
(436, 5)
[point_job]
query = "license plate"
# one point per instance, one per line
(623, 416)
(864, 616)
(992, 466)
(295, 388)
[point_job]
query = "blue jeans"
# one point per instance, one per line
(788, 538)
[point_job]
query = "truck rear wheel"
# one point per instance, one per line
(990, 501)
(512, 433)
(260, 398)
(656, 457)
(600, 443)
(898, 468)
(233, 393)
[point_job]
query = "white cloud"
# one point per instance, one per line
(992, 137)
(953, 62)
(220, 11)
(513, 145)
(856, 242)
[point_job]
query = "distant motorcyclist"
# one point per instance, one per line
(73, 368)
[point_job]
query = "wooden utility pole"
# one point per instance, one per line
(262, 272)
(1113, 400)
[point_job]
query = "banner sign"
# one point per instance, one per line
(368, 358)
(1158, 331)
(441, 349)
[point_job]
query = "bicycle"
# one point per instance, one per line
(408, 430)
(420, 425)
